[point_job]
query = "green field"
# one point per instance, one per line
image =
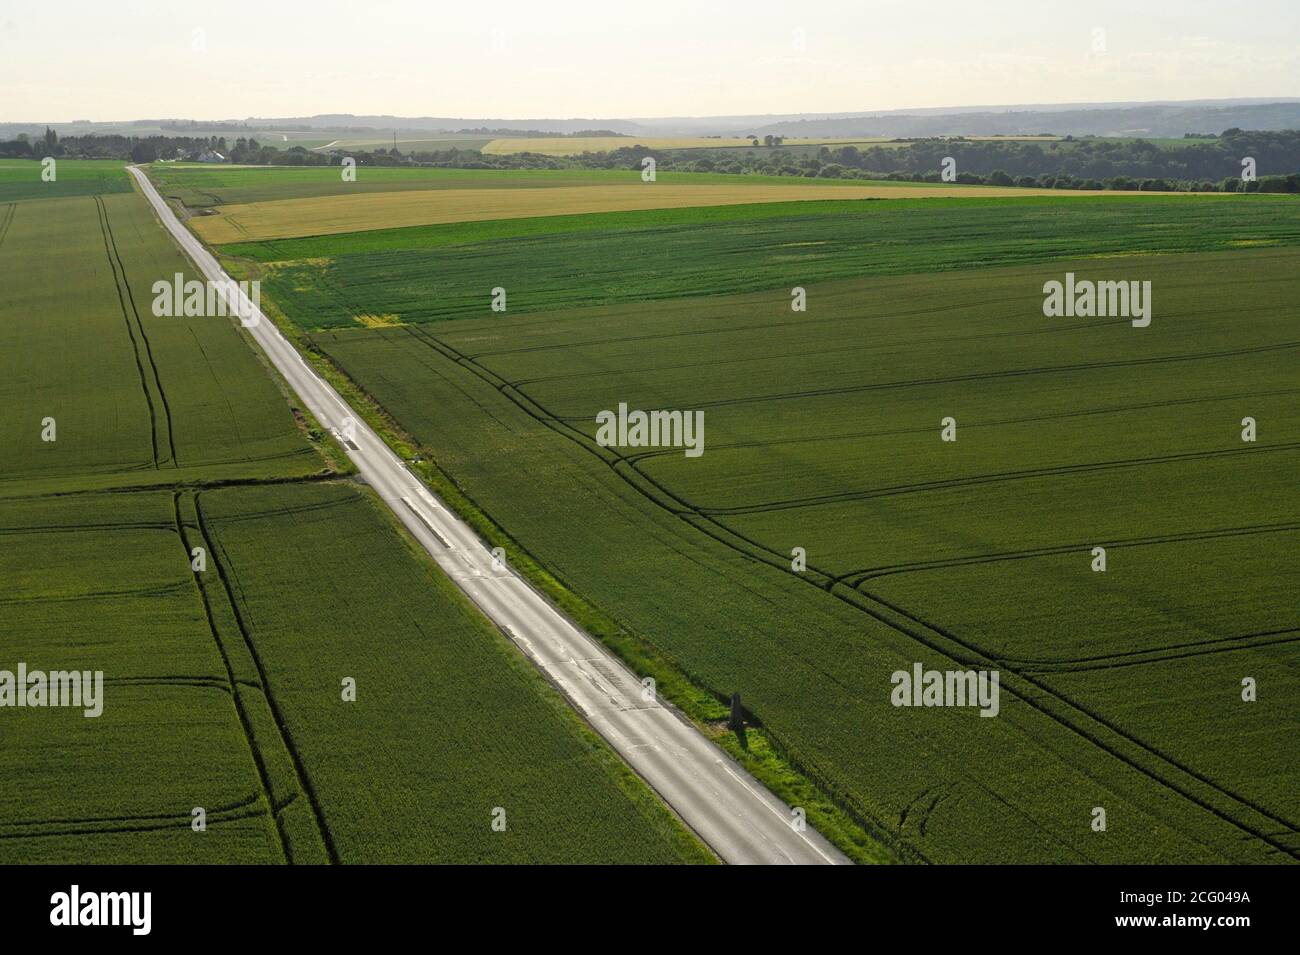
(136, 399)
(431, 273)
(223, 691)
(198, 185)
(223, 683)
(21, 179)
(1120, 689)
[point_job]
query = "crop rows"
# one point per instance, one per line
(22, 179)
(130, 393)
(291, 218)
(200, 186)
(823, 433)
(180, 532)
(688, 258)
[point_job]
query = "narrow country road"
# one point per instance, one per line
(738, 818)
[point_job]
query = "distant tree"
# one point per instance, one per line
(49, 144)
(1276, 184)
(144, 151)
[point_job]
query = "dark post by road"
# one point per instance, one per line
(737, 720)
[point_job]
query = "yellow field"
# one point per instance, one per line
(327, 215)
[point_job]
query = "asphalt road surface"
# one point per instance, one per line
(723, 804)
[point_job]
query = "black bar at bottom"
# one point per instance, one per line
(334, 904)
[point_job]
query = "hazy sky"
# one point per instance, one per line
(101, 60)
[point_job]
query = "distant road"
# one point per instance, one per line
(731, 811)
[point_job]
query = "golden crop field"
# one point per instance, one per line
(329, 215)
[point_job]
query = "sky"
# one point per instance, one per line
(135, 59)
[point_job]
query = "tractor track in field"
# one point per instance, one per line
(202, 683)
(113, 830)
(197, 483)
(144, 336)
(1056, 694)
(844, 348)
(255, 516)
(215, 555)
(853, 578)
(148, 822)
(738, 818)
(161, 590)
(1158, 654)
(652, 453)
(135, 346)
(77, 528)
(978, 480)
(6, 220)
(957, 379)
(930, 635)
(804, 321)
(140, 827)
(250, 739)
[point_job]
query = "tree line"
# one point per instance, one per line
(144, 149)
(1088, 163)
